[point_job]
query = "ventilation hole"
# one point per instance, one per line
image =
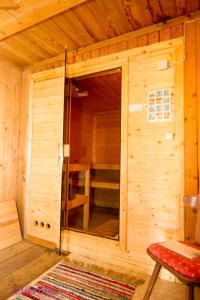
(36, 223)
(48, 226)
(42, 224)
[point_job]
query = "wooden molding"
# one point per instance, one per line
(41, 242)
(31, 13)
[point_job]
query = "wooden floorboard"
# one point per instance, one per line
(22, 263)
(14, 250)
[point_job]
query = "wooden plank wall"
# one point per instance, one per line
(155, 163)
(95, 137)
(22, 146)
(106, 137)
(43, 213)
(106, 150)
(10, 100)
(81, 135)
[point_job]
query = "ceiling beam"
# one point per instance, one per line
(31, 12)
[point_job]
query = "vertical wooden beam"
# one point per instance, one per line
(22, 146)
(191, 122)
(198, 90)
(86, 205)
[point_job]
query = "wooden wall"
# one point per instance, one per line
(95, 137)
(106, 138)
(192, 123)
(155, 163)
(10, 105)
(22, 147)
(152, 210)
(81, 135)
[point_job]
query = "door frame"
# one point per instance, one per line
(93, 66)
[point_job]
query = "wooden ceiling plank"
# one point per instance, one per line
(69, 33)
(192, 5)
(9, 57)
(110, 29)
(181, 7)
(25, 60)
(13, 56)
(42, 44)
(187, 6)
(138, 12)
(168, 8)
(58, 36)
(93, 21)
(110, 86)
(154, 8)
(117, 17)
(69, 22)
(32, 12)
(41, 37)
(25, 46)
(104, 91)
(36, 47)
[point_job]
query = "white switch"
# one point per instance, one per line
(162, 64)
(169, 136)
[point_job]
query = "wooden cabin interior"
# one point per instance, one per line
(99, 137)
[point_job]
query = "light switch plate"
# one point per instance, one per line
(169, 136)
(162, 64)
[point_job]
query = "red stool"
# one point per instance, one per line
(187, 270)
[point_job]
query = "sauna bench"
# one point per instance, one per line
(98, 182)
(80, 199)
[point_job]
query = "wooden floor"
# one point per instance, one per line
(23, 262)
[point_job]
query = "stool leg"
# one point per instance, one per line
(152, 281)
(190, 292)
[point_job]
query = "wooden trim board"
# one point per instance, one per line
(41, 242)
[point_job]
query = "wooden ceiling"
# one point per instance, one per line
(76, 23)
(104, 92)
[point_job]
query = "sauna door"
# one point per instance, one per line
(91, 174)
(46, 157)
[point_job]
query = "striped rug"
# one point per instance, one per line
(65, 281)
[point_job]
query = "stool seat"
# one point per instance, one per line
(187, 267)
(180, 258)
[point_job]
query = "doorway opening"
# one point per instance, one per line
(92, 198)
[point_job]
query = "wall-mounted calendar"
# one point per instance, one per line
(159, 105)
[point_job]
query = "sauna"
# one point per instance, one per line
(94, 126)
(99, 137)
